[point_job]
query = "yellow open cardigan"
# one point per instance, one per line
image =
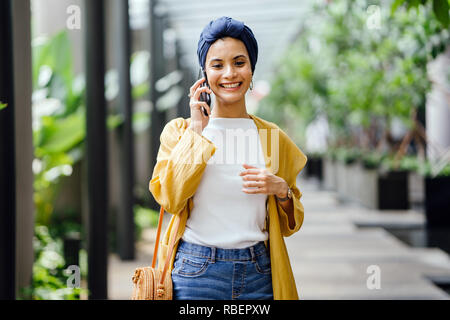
(181, 161)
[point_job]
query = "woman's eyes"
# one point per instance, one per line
(239, 63)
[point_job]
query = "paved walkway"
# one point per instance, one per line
(332, 252)
(330, 255)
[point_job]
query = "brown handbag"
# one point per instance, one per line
(150, 283)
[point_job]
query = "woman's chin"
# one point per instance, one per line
(230, 98)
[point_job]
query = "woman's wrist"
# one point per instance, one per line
(196, 127)
(284, 191)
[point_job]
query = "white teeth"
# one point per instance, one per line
(231, 85)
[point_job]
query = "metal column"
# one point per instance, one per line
(96, 146)
(21, 26)
(157, 71)
(7, 158)
(125, 218)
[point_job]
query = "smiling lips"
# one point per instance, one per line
(233, 85)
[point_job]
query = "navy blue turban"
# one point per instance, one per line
(227, 27)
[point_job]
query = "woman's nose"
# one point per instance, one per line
(230, 71)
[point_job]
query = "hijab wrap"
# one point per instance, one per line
(227, 27)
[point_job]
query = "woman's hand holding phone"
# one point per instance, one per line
(198, 118)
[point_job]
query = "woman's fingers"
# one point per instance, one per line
(253, 184)
(200, 90)
(253, 177)
(195, 98)
(198, 108)
(205, 105)
(196, 85)
(195, 104)
(249, 171)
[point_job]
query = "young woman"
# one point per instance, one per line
(232, 208)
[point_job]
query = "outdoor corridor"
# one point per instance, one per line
(337, 253)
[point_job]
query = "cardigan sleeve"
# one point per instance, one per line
(299, 214)
(180, 164)
(293, 162)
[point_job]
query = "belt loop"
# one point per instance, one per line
(252, 252)
(213, 254)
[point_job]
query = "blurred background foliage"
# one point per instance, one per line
(58, 119)
(49, 277)
(362, 66)
(58, 137)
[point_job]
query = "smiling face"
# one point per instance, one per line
(228, 69)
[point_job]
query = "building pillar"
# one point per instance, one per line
(96, 147)
(125, 217)
(7, 157)
(157, 71)
(25, 212)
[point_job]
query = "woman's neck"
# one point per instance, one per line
(234, 110)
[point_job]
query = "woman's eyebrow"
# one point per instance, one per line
(239, 56)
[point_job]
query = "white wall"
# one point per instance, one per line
(438, 106)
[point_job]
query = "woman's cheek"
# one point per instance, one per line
(212, 81)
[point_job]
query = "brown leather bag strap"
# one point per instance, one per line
(170, 252)
(158, 235)
(171, 245)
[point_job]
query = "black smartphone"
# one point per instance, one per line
(204, 96)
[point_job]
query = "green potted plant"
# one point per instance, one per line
(367, 193)
(437, 195)
(341, 175)
(329, 169)
(314, 169)
(347, 173)
(393, 191)
(385, 181)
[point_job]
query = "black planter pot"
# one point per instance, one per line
(393, 193)
(437, 201)
(72, 246)
(314, 167)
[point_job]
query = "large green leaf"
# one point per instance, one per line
(40, 56)
(440, 8)
(60, 135)
(56, 53)
(59, 159)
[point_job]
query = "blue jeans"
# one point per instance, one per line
(209, 273)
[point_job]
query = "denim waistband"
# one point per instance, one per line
(245, 254)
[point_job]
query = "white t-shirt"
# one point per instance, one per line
(223, 215)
